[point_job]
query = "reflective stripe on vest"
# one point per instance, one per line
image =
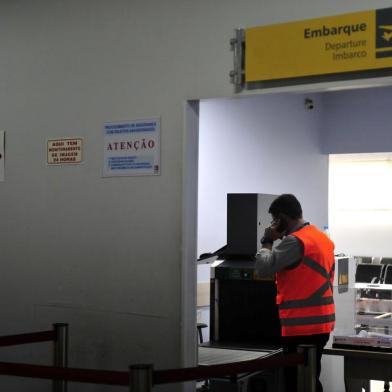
(290, 322)
(315, 299)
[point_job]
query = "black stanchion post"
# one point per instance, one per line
(140, 378)
(60, 355)
(307, 371)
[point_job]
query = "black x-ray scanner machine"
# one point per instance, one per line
(244, 321)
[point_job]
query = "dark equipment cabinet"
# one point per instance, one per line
(243, 309)
(242, 306)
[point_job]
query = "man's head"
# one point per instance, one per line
(286, 212)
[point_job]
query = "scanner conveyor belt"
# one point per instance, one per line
(217, 356)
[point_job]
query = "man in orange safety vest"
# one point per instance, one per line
(304, 265)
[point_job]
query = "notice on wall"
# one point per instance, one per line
(2, 156)
(343, 275)
(358, 41)
(64, 151)
(132, 148)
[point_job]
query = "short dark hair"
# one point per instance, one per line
(286, 204)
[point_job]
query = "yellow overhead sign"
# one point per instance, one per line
(345, 43)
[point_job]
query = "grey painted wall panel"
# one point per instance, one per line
(69, 237)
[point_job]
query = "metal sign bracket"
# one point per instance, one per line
(237, 75)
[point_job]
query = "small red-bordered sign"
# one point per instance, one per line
(65, 151)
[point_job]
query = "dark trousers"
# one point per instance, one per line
(289, 344)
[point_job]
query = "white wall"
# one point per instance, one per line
(357, 121)
(360, 203)
(263, 144)
(105, 254)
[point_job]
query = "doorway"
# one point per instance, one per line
(269, 143)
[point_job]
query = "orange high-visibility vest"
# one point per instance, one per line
(305, 296)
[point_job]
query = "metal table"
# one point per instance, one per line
(361, 366)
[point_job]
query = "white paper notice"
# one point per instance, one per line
(132, 148)
(2, 156)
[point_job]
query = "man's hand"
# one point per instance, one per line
(271, 234)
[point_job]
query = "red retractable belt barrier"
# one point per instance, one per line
(159, 377)
(26, 338)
